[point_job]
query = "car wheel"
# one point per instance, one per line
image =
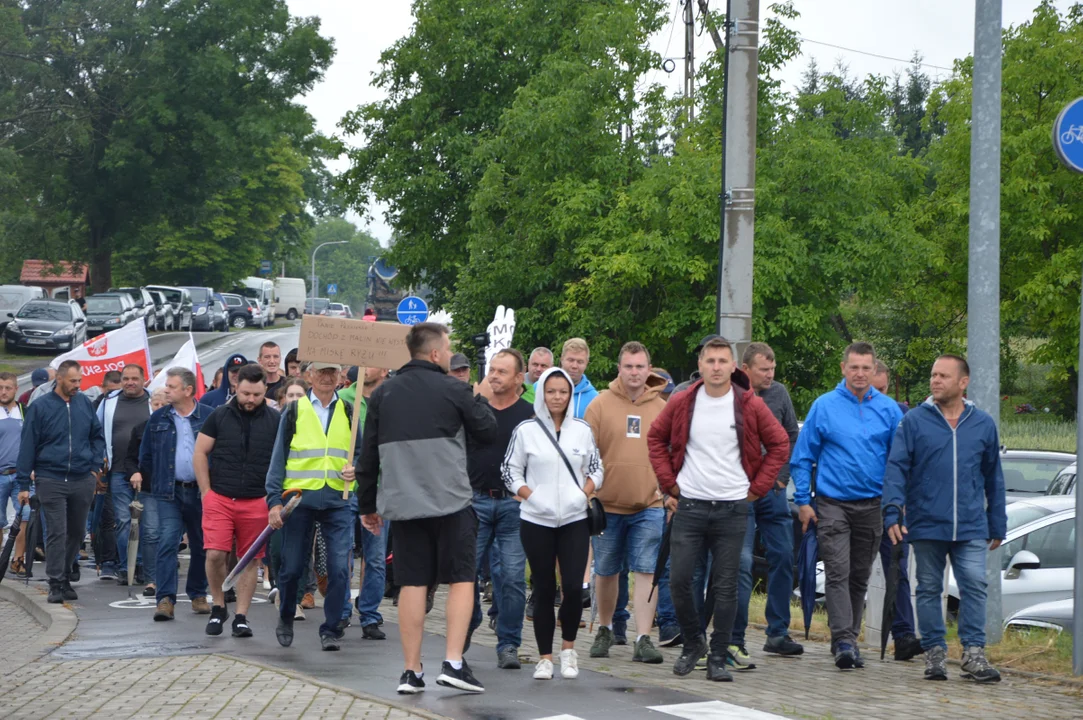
(239, 322)
(291, 315)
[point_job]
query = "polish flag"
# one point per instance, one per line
(111, 351)
(186, 358)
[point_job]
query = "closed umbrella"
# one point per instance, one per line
(136, 510)
(663, 558)
(33, 534)
(891, 575)
(13, 534)
(807, 556)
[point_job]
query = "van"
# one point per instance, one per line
(289, 297)
(262, 291)
(12, 297)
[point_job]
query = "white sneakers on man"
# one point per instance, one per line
(544, 670)
(569, 664)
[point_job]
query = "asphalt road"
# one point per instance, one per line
(213, 348)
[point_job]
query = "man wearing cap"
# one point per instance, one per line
(311, 454)
(225, 391)
(460, 367)
(42, 379)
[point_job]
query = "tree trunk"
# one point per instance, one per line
(101, 267)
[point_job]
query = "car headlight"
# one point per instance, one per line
(64, 332)
(113, 321)
(13, 327)
(201, 311)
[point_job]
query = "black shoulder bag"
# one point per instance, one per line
(595, 512)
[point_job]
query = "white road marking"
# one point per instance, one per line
(713, 710)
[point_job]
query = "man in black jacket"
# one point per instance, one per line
(233, 451)
(64, 447)
(416, 431)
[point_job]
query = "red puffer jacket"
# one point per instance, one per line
(667, 439)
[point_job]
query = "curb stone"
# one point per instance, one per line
(59, 621)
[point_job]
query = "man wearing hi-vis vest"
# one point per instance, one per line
(311, 455)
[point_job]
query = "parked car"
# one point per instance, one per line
(316, 306)
(1056, 615)
(221, 312)
(1039, 555)
(336, 310)
(1064, 483)
(205, 315)
(236, 309)
(255, 313)
(181, 300)
(144, 305)
(1028, 473)
(262, 291)
(109, 311)
(13, 297)
(46, 325)
(163, 311)
(289, 297)
(349, 312)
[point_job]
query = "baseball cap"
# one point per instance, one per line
(39, 377)
(459, 361)
(325, 366)
(669, 380)
(706, 339)
(235, 361)
(351, 374)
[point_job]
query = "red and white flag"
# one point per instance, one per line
(111, 351)
(187, 358)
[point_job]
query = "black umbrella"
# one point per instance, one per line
(5, 556)
(663, 558)
(807, 557)
(891, 575)
(33, 534)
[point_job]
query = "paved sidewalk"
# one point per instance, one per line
(810, 686)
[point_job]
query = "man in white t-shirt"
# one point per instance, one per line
(705, 448)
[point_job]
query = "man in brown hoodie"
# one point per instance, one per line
(620, 418)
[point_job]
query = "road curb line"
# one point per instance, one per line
(336, 688)
(59, 621)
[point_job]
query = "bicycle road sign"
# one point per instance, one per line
(1068, 135)
(412, 310)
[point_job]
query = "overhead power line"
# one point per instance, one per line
(875, 55)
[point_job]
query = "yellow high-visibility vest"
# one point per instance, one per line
(316, 458)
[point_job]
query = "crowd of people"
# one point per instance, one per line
(653, 493)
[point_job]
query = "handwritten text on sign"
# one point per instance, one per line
(353, 342)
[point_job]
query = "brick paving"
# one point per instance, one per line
(810, 686)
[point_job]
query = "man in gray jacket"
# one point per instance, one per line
(414, 443)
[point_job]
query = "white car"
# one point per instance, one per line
(1039, 554)
(336, 310)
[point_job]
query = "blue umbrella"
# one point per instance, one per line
(807, 557)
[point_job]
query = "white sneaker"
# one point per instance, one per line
(544, 670)
(298, 613)
(569, 664)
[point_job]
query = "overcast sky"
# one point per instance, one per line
(941, 30)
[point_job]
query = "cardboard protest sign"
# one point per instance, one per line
(353, 342)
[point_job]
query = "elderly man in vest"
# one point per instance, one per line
(311, 454)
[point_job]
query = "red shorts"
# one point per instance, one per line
(225, 518)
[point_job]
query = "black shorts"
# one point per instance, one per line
(435, 550)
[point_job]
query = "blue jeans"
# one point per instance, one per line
(498, 526)
(968, 565)
(620, 613)
(771, 514)
(629, 542)
(184, 513)
(665, 615)
(123, 493)
(372, 584)
(336, 523)
(9, 491)
(904, 611)
(103, 530)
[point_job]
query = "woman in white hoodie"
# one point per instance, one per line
(553, 514)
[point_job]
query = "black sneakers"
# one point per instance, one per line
(785, 645)
(330, 642)
(690, 655)
(241, 628)
(410, 683)
(372, 631)
(55, 596)
(67, 591)
(219, 615)
(845, 657)
(462, 679)
(907, 647)
(716, 669)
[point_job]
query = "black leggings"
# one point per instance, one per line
(544, 546)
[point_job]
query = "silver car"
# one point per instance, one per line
(1064, 483)
(1039, 554)
(1028, 473)
(1055, 615)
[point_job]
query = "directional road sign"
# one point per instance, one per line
(412, 310)
(332, 288)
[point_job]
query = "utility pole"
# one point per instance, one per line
(736, 242)
(690, 60)
(983, 280)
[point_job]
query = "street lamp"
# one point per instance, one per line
(333, 242)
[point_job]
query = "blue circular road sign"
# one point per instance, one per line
(412, 310)
(1068, 135)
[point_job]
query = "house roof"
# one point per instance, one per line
(43, 272)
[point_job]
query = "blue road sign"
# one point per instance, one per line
(412, 310)
(332, 288)
(264, 267)
(1068, 135)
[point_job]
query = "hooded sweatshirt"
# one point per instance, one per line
(582, 397)
(532, 460)
(224, 393)
(620, 428)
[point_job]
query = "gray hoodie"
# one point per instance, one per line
(532, 460)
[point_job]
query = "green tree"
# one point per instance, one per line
(345, 265)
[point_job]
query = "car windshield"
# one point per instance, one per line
(1029, 475)
(337, 306)
(173, 296)
(103, 304)
(45, 311)
(198, 294)
(1021, 513)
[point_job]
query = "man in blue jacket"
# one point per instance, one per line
(944, 469)
(63, 446)
(225, 392)
(847, 435)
